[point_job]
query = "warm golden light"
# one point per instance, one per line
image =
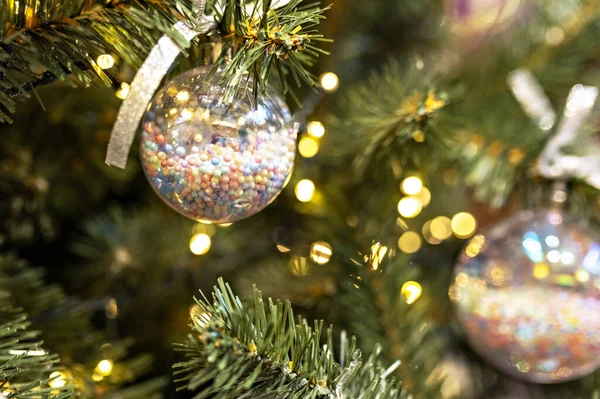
(464, 225)
(329, 81)
(283, 248)
(441, 228)
(424, 196)
(182, 96)
(59, 379)
(123, 91)
(426, 230)
(200, 244)
(315, 129)
(320, 252)
(409, 207)
(378, 253)
(298, 266)
(582, 276)
(409, 242)
(475, 246)
(105, 367)
(411, 185)
(305, 190)
(199, 315)
(112, 309)
(105, 61)
(308, 147)
(225, 224)
(411, 291)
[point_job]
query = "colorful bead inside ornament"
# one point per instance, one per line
(214, 160)
(527, 294)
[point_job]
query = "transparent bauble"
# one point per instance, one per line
(527, 294)
(214, 160)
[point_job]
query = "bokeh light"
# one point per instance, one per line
(464, 225)
(409, 207)
(424, 195)
(105, 61)
(59, 379)
(305, 190)
(320, 252)
(123, 91)
(409, 242)
(441, 228)
(308, 147)
(315, 129)
(105, 367)
(411, 185)
(329, 81)
(411, 291)
(200, 244)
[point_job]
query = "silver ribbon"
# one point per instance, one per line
(553, 163)
(151, 73)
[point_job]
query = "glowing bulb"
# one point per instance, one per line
(105, 367)
(441, 228)
(409, 242)
(308, 147)
(59, 379)
(411, 185)
(105, 61)
(200, 244)
(320, 252)
(182, 96)
(305, 190)
(123, 91)
(315, 129)
(409, 207)
(411, 291)
(329, 81)
(463, 225)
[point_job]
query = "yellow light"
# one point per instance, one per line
(462, 279)
(409, 242)
(582, 276)
(105, 367)
(105, 61)
(200, 244)
(541, 270)
(409, 207)
(123, 91)
(315, 129)
(182, 96)
(320, 252)
(200, 316)
(424, 196)
(378, 253)
(282, 248)
(298, 266)
(225, 224)
(411, 291)
(441, 228)
(418, 136)
(411, 185)
(329, 81)
(59, 379)
(427, 234)
(475, 246)
(308, 147)
(463, 225)
(305, 190)
(112, 309)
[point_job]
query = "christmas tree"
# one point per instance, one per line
(390, 199)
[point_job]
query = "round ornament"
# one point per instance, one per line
(527, 294)
(214, 160)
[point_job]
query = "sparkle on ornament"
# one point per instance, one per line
(183, 96)
(105, 61)
(123, 91)
(475, 246)
(411, 185)
(329, 81)
(59, 379)
(441, 228)
(409, 207)
(409, 242)
(378, 253)
(320, 252)
(200, 244)
(411, 291)
(305, 190)
(463, 225)
(200, 316)
(105, 367)
(315, 129)
(308, 147)
(34, 352)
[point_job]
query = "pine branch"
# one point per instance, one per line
(25, 367)
(248, 352)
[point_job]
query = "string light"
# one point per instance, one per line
(315, 129)
(320, 252)
(411, 185)
(105, 61)
(463, 225)
(411, 291)
(123, 91)
(59, 379)
(424, 195)
(441, 228)
(409, 242)
(308, 147)
(105, 367)
(305, 190)
(409, 207)
(329, 81)
(200, 244)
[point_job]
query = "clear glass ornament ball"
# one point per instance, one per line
(527, 295)
(213, 160)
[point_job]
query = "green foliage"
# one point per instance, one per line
(245, 351)
(24, 366)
